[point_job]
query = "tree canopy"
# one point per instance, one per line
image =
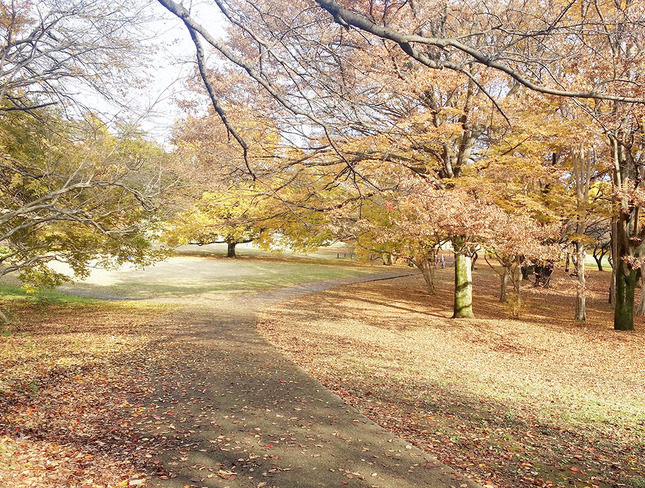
(508, 99)
(73, 189)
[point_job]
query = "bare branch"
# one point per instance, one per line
(406, 41)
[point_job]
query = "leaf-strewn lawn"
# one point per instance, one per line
(540, 401)
(69, 373)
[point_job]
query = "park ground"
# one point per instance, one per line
(540, 401)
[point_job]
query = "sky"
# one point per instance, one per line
(174, 61)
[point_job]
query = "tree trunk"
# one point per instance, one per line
(598, 261)
(625, 291)
(504, 285)
(581, 302)
(640, 310)
(582, 166)
(614, 258)
(230, 252)
(463, 287)
(426, 265)
(527, 271)
(515, 299)
(518, 278)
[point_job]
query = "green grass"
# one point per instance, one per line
(13, 297)
(45, 297)
(15, 301)
(220, 275)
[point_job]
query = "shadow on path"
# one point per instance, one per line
(261, 421)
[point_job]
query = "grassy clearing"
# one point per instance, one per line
(45, 297)
(540, 401)
(189, 275)
(338, 253)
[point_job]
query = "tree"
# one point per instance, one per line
(317, 72)
(519, 241)
(52, 52)
(231, 216)
(74, 193)
(600, 235)
(221, 202)
(458, 216)
(73, 190)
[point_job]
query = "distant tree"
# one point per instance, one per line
(600, 235)
(519, 241)
(219, 201)
(230, 216)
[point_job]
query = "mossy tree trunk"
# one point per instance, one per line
(625, 291)
(628, 234)
(614, 259)
(463, 307)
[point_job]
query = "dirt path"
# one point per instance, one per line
(240, 414)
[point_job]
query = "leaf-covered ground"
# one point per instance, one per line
(69, 375)
(541, 401)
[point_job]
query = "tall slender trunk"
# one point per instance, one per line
(640, 310)
(517, 278)
(463, 307)
(425, 263)
(581, 301)
(614, 259)
(504, 285)
(582, 167)
(515, 299)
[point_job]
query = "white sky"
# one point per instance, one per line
(174, 62)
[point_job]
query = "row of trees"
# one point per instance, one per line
(510, 126)
(506, 127)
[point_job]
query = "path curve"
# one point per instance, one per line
(270, 423)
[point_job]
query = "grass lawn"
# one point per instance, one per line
(540, 401)
(189, 275)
